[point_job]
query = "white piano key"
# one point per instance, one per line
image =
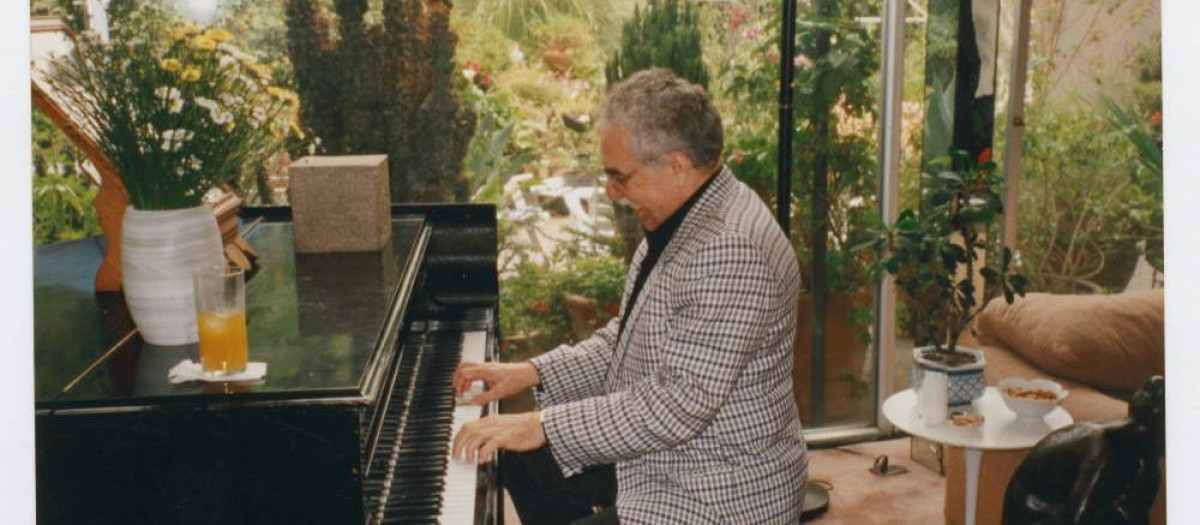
(474, 345)
(458, 498)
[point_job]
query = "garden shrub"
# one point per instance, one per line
(1075, 214)
(662, 35)
(516, 17)
(533, 298)
(531, 87)
(484, 45)
(62, 193)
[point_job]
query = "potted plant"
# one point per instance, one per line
(178, 110)
(591, 289)
(934, 254)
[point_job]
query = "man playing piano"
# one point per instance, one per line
(688, 392)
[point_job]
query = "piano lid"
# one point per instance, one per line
(319, 321)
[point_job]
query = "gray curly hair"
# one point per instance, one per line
(660, 113)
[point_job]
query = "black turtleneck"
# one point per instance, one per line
(657, 242)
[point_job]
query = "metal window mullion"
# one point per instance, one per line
(1016, 123)
(783, 149)
(890, 158)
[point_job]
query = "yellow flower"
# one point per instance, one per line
(283, 94)
(296, 129)
(183, 31)
(170, 64)
(190, 74)
(218, 35)
(258, 69)
(205, 43)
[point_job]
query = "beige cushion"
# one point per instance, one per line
(1083, 402)
(1111, 342)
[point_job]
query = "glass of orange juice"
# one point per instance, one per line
(221, 320)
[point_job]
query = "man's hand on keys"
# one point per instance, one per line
(479, 440)
(502, 379)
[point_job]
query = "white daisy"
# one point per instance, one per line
(173, 139)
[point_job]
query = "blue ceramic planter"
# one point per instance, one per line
(966, 382)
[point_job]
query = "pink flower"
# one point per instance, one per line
(736, 16)
(802, 61)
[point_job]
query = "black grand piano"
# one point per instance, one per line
(351, 424)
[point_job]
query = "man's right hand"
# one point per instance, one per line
(502, 379)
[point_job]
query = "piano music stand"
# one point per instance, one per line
(112, 198)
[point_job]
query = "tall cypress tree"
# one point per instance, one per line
(385, 88)
(310, 47)
(665, 35)
(443, 124)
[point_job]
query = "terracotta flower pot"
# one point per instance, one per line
(585, 317)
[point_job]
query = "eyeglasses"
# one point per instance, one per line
(621, 179)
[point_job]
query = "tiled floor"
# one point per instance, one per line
(861, 498)
(858, 497)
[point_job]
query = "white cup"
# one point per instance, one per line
(932, 399)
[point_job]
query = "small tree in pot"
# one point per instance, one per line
(934, 254)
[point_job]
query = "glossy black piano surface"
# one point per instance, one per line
(340, 333)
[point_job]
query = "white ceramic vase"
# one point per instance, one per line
(160, 250)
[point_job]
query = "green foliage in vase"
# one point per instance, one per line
(934, 251)
(177, 109)
(384, 87)
(665, 34)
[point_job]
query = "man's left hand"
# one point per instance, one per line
(478, 440)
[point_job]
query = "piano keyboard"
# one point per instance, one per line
(412, 478)
(458, 504)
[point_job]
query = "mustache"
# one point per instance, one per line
(627, 203)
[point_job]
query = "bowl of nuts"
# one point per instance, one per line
(1032, 398)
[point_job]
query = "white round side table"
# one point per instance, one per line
(1001, 430)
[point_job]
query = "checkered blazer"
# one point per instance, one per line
(694, 405)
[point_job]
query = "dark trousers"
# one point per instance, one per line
(544, 497)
